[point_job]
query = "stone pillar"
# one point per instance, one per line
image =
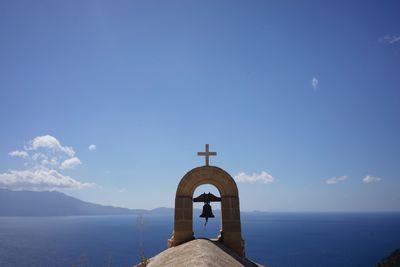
(183, 221)
(231, 233)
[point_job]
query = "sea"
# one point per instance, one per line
(271, 239)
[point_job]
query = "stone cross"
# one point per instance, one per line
(207, 154)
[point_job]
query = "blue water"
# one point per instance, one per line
(275, 239)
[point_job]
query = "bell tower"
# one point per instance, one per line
(230, 233)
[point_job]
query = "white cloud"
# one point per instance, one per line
(92, 147)
(70, 163)
(46, 161)
(390, 39)
(263, 177)
(50, 142)
(314, 83)
(335, 180)
(18, 153)
(38, 156)
(371, 179)
(39, 179)
(40, 169)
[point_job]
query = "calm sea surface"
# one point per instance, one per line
(275, 239)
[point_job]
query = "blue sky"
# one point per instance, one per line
(299, 98)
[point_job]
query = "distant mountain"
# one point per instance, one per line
(162, 211)
(46, 203)
(32, 203)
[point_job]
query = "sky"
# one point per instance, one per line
(110, 101)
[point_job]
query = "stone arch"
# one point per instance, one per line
(230, 234)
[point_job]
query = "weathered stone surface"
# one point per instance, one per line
(199, 252)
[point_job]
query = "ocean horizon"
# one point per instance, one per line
(274, 239)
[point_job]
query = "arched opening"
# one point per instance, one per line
(212, 229)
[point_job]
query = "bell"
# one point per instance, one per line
(207, 212)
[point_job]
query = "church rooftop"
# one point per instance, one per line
(199, 252)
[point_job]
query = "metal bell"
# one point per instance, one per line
(207, 212)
